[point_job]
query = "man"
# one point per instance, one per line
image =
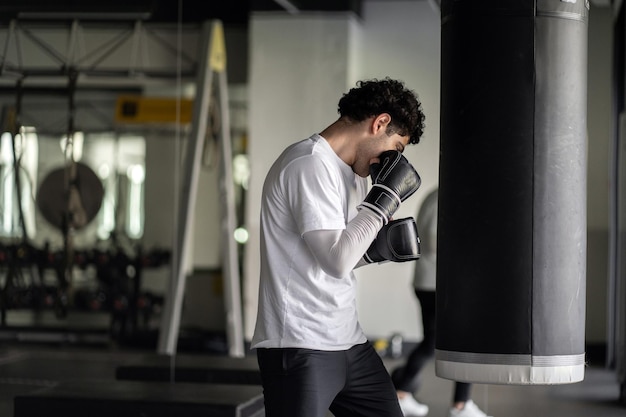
(317, 222)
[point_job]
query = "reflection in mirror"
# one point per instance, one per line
(27, 156)
(134, 211)
(112, 157)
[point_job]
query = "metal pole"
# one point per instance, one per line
(170, 323)
(230, 258)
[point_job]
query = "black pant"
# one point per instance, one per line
(407, 377)
(308, 383)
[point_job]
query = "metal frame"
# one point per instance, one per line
(212, 59)
(136, 51)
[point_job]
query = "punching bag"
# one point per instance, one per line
(512, 191)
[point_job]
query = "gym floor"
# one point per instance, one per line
(25, 368)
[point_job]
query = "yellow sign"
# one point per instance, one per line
(139, 109)
(217, 55)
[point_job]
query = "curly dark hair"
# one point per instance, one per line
(373, 97)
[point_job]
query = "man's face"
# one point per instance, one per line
(369, 152)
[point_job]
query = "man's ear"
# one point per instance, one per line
(381, 122)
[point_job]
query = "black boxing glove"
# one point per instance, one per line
(393, 180)
(397, 241)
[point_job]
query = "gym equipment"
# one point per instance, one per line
(52, 197)
(394, 180)
(190, 368)
(212, 62)
(98, 398)
(397, 241)
(511, 258)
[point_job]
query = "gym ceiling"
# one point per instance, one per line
(229, 11)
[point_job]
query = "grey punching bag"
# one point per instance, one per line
(512, 191)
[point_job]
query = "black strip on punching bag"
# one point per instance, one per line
(513, 94)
